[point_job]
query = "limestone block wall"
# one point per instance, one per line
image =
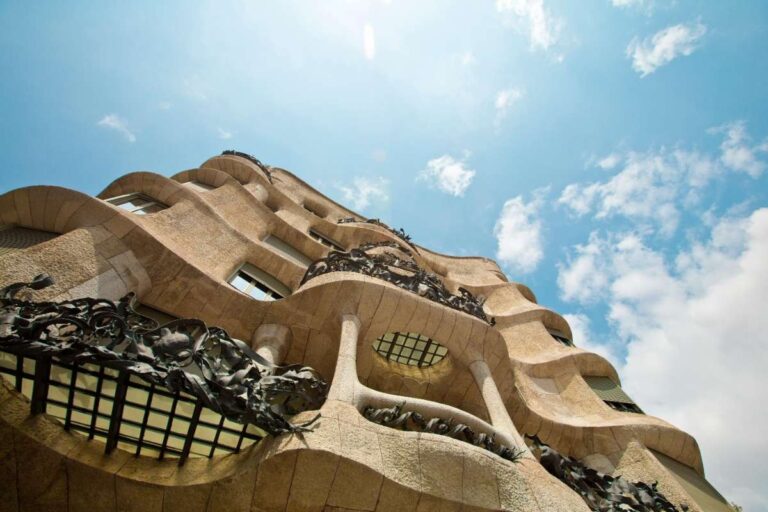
(512, 378)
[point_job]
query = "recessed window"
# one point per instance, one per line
(258, 284)
(287, 250)
(317, 237)
(15, 238)
(410, 348)
(313, 208)
(612, 394)
(138, 204)
(197, 186)
(561, 338)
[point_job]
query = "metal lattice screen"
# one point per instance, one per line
(410, 348)
(124, 411)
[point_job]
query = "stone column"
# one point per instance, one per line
(497, 411)
(345, 380)
(271, 342)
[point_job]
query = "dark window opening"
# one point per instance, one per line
(410, 349)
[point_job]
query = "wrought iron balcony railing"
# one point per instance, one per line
(403, 273)
(183, 360)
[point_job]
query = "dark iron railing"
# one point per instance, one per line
(403, 273)
(602, 492)
(395, 417)
(264, 168)
(184, 361)
(400, 233)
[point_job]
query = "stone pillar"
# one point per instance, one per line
(497, 411)
(271, 342)
(345, 380)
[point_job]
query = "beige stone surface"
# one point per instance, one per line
(179, 260)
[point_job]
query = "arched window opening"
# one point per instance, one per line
(15, 238)
(410, 349)
(287, 250)
(612, 394)
(323, 240)
(140, 204)
(256, 283)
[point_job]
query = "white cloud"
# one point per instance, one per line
(224, 134)
(583, 339)
(505, 99)
(609, 162)
(364, 190)
(737, 154)
(165, 105)
(518, 233)
(114, 122)
(694, 328)
(664, 46)
(369, 42)
(584, 278)
(467, 58)
(536, 20)
(448, 175)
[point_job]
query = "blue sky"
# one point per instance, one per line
(610, 153)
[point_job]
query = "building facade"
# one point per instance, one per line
(435, 383)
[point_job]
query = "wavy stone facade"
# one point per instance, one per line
(508, 379)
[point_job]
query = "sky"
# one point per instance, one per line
(610, 154)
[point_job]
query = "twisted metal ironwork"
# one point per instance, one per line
(400, 233)
(404, 273)
(265, 168)
(395, 417)
(184, 355)
(601, 492)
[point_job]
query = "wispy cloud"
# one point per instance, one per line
(369, 42)
(365, 190)
(664, 46)
(737, 153)
(518, 233)
(224, 134)
(649, 187)
(448, 174)
(505, 99)
(532, 17)
(114, 122)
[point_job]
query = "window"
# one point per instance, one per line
(258, 284)
(612, 394)
(410, 348)
(287, 250)
(561, 338)
(197, 186)
(15, 238)
(138, 204)
(313, 208)
(153, 421)
(317, 237)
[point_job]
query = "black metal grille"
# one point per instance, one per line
(561, 338)
(410, 348)
(124, 411)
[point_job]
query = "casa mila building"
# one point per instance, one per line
(229, 339)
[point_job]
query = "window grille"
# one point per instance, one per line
(139, 204)
(321, 239)
(410, 348)
(612, 394)
(561, 338)
(124, 411)
(258, 284)
(15, 238)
